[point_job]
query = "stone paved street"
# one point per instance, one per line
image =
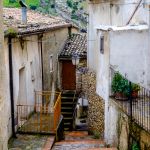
(80, 141)
(31, 142)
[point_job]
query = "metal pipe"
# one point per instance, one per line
(24, 15)
(134, 12)
(11, 85)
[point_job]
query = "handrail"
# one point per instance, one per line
(74, 112)
(57, 111)
(57, 101)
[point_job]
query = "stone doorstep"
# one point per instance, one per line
(80, 142)
(77, 133)
(99, 149)
(49, 143)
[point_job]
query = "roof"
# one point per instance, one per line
(36, 22)
(123, 28)
(76, 44)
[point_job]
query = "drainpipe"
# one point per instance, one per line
(11, 86)
(137, 7)
(42, 66)
(41, 48)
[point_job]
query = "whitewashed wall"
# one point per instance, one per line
(22, 58)
(129, 53)
(126, 50)
(118, 14)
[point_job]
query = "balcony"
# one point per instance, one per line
(136, 106)
(42, 117)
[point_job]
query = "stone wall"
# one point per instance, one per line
(96, 104)
(130, 133)
(3, 90)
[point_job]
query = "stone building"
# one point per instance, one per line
(4, 97)
(69, 73)
(79, 78)
(118, 35)
(31, 54)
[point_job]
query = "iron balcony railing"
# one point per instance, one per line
(41, 117)
(135, 100)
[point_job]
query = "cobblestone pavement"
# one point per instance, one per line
(80, 141)
(30, 142)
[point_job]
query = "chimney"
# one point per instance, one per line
(24, 12)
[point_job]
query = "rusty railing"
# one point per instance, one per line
(41, 117)
(57, 111)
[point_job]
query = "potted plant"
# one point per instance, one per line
(135, 89)
(120, 87)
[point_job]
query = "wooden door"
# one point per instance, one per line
(68, 76)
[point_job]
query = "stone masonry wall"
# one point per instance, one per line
(130, 132)
(96, 103)
(3, 90)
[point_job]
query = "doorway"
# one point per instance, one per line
(68, 75)
(22, 97)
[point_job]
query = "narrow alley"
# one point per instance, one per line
(74, 75)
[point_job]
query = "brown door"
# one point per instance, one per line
(68, 76)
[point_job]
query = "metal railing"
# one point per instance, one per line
(43, 116)
(135, 104)
(57, 111)
(74, 111)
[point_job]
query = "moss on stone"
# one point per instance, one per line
(11, 32)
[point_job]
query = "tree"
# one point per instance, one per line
(3, 89)
(12, 1)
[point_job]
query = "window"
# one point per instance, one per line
(51, 63)
(32, 71)
(102, 44)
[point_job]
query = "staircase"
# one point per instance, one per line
(80, 140)
(68, 102)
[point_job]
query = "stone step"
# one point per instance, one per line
(80, 140)
(80, 145)
(113, 148)
(67, 123)
(70, 104)
(67, 113)
(88, 141)
(66, 129)
(65, 109)
(68, 118)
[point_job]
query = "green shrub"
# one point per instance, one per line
(120, 84)
(33, 7)
(135, 87)
(96, 134)
(135, 146)
(12, 32)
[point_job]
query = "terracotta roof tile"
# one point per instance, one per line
(76, 44)
(35, 21)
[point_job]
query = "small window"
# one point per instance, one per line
(32, 71)
(102, 44)
(51, 63)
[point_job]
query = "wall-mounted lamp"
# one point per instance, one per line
(75, 59)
